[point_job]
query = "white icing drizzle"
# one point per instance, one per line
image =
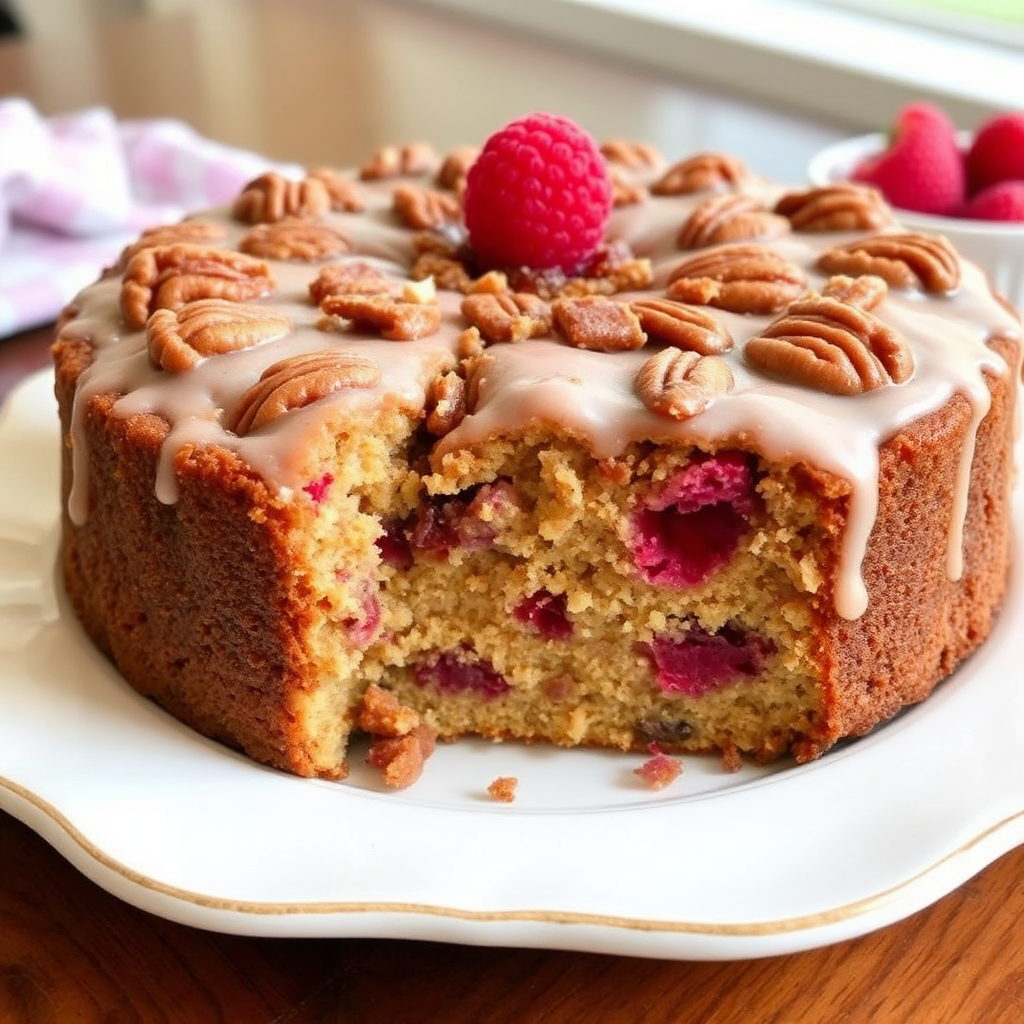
(589, 394)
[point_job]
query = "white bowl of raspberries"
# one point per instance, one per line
(966, 186)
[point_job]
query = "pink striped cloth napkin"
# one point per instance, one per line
(74, 189)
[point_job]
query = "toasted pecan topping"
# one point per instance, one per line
(626, 193)
(598, 323)
(729, 218)
(168, 276)
(342, 192)
(422, 208)
(907, 260)
(438, 259)
(703, 172)
(507, 316)
(179, 340)
(354, 277)
(399, 161)
(844, 206)
(613, 268)
(867, 291)
(297, 382)
(446, 403)
(469, 343)
(194, 231)
(680, 384)
(831, 346)
(634, 155)
(393, 318)
(293, 238)
(272, 197)
(492, 282)
(686, 327)
(739, 278)
(455, 166)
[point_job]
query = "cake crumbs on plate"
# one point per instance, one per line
(400, 743)
(503, 788)
(659, 770)
(732, 759)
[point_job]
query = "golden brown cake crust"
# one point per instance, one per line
(212, 629)
(919, 624)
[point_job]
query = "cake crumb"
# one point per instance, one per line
(503, 788)
(659, 770)
(400, 759)
(732, 759)
(380, 714)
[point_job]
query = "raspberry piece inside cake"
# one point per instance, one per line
(697, 661)
(317, 489)
(362, 628)
(693, 525)
(546, 613)
(470, 521)
(459, 672)
(393, 546)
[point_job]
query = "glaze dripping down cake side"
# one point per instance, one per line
(738, 481)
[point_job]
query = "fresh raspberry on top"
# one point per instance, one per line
(923, 168)
(1002, 201)
(538, 196)
(997, 152)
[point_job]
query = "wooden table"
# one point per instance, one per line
(321, 82)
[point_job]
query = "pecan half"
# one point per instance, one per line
(195, 231)
(681, 384)
(729, 218)
(343, 193)
(635, 155)
(739, 278)
(422, 209)
(179, 340)
(168, 276)
(391, 318)
(844, 206)
(294, 239)
(831, 346)
(299, 381)
(687, 327)
(867, 291)
(507, 316)
(907, 260)
(455, 166)
(702, 172)
(626, 193)
(445, 404)
(399, 161)
(598, 323)
(272, 197)
(352, 278)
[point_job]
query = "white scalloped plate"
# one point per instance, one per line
(716, 866)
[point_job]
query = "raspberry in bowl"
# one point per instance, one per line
(946, 182)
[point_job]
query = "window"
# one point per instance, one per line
(840, 60)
